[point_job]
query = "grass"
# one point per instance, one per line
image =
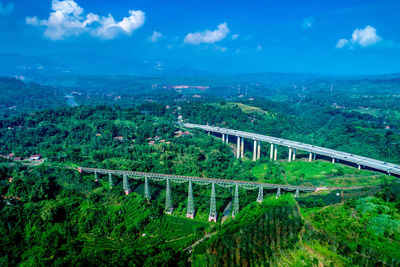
(245, 108)
(322, 173)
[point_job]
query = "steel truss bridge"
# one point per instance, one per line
(246, 185)
(360, 161)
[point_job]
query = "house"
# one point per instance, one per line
(9, 156)
(120, 138)
(35, 157)
(151, 143)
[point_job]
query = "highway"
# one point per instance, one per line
(360, 160)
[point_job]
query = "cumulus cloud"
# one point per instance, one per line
(361, 37)
(342, 43)
(155, 36)
(67, 19)
(6, 9)
(208, 36)
(308, 23)
(365, 37)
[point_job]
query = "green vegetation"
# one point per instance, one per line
(52, 215)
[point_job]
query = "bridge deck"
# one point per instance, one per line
(221, 182)
(364, 161)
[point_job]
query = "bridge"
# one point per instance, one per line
(247, 185)
(360, 161)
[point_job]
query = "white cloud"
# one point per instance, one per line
(361, 37)
(308, 23)
(342, 43)
(109, 28)
(235, 36)
(67, 19)
(155, 36)
(208, 36)
(6, 9)
(365, 37)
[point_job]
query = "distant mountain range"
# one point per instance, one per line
(36, 68)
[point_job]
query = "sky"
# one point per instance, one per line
(314, 36)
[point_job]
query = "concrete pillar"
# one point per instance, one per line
(290, 154)
(238, 147)
(333, 160)
(242, 148)
(294, 153)
(223, 138)
(258, 150)
(209, 133)
(227, 139)
(310, 157)
(275, 152)
(255, 150)
(271, 154)
(314, 156)
(359, 167)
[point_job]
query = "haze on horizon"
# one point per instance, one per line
(336, 37)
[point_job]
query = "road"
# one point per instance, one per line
(390, 168)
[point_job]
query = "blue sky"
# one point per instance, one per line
(338, 37)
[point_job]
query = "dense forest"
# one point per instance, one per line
(50, 214)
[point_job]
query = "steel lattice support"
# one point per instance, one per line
(213, 205)
(125, 185)
(190, 206)
(278, 194)
(110, 181)
(296, 194)
(260, 194)
(235, 210)
(168, 199)
(146, 188)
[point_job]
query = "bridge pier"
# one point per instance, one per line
(125, 185)
(258, 150)
(290, 154)
(359, 167)
(333, 160)
(168, 199)
(260, 196)
(190, 206)
(227, 139)
(294, 153)
(212, 217)
(275, 152)
(95, 177)
(223, 138)
(278, 194)
(146, 188)
(296, 194)
(310, 157)
(110, 181)
(238, 148)
(314, 156)
(271, 153)
(255, 151)
(235, 210)
(242, 148)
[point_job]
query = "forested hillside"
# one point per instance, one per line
(50, 214)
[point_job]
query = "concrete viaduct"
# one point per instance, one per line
(360, 161)
(168, 178)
